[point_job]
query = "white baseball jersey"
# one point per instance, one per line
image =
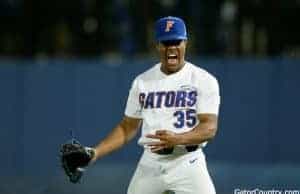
(172, 102)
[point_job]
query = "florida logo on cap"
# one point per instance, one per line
(170, 28)
(169, 25)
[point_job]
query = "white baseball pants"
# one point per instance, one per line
(182, 174)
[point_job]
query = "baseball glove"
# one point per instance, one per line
(74, 157)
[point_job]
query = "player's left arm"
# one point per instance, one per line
(204, 131)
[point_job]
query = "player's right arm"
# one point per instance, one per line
(119, 136)
(126, 129)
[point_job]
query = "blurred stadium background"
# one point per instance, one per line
(69, 64)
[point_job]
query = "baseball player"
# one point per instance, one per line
(176, 104)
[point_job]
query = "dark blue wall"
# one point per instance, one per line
(41, 101)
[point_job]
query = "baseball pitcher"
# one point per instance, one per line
(176, 104)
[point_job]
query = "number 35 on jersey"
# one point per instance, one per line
(185, 99)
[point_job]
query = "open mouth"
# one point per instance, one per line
(172, 58)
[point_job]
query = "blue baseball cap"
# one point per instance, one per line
(170, 28)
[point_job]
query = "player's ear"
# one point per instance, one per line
(157, 46)
(185, 43)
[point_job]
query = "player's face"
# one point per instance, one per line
(172, 54)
